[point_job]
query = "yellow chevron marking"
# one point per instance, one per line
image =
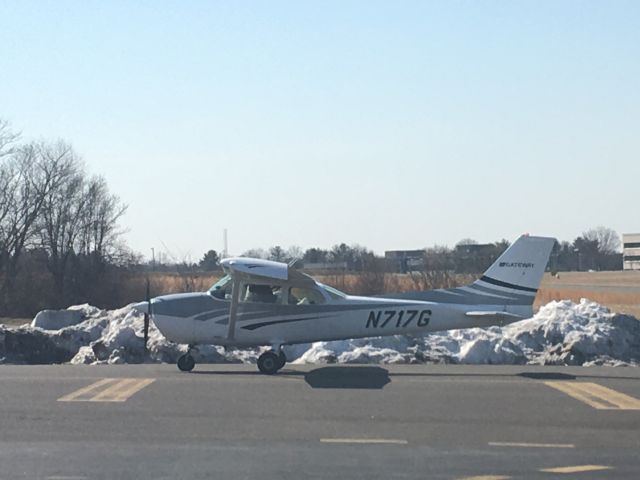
(576, 469)
(596, 396)
(108, 390)
(86, 391)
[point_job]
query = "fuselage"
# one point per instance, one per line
(201, 318)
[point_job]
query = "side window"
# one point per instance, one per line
(222, 289)
(258, 293)
(304, 296)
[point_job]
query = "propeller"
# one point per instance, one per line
(147, 317)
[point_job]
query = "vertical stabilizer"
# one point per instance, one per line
(519, 269)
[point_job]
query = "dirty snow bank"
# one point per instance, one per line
(561, 333)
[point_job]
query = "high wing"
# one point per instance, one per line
(250, 267)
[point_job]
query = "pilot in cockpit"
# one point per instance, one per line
(261, 294)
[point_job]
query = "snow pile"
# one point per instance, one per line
(561, 333)
(57, 319)
(102, 336)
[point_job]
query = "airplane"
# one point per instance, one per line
(264, 303)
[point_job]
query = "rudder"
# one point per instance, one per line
(519, 269)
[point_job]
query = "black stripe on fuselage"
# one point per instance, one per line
(255, 326)
(502, 293)
(513, 286)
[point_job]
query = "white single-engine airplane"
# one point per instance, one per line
(265, 303)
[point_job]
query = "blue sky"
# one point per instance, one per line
(388, 124)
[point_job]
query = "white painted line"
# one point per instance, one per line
(389, 441)
(486, 477)
(576, 469)
(65, 477)
(531, 445)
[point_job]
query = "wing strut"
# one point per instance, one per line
(233, 309)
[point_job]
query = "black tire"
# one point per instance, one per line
(186, 363)
(268, 363)
(282, 359)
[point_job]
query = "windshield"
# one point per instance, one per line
(333, 293)
(222, 288)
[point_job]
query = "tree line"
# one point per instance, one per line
(596, 249)
(59, 232)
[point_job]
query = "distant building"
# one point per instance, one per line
(403, 261)
(631, 251)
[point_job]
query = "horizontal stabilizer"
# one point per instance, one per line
(500, 318)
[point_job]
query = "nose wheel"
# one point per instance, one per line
(186, 362)
(270, 362)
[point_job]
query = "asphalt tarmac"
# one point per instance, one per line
(347, 422)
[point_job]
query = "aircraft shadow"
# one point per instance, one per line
(547, 376)
(530, 375)
(348, 377)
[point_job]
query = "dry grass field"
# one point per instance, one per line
(620, 291)
(14, 322)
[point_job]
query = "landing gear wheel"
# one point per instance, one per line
(269, 363)
(186, 363)
(282, 359)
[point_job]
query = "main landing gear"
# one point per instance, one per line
(272, 361)
(268, 363)
(186, 362)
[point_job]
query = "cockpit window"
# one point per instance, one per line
(222, 288)
(333, 293)
(258, 293)
(304, 296)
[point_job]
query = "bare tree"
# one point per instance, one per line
(8, 139)
(277, 254)
(51, 213)
(60, 220)
(294, 253)
(466, 241)
(437, 270)
(255, 253)
(100, 216)
(607, 239)
(29, 175)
